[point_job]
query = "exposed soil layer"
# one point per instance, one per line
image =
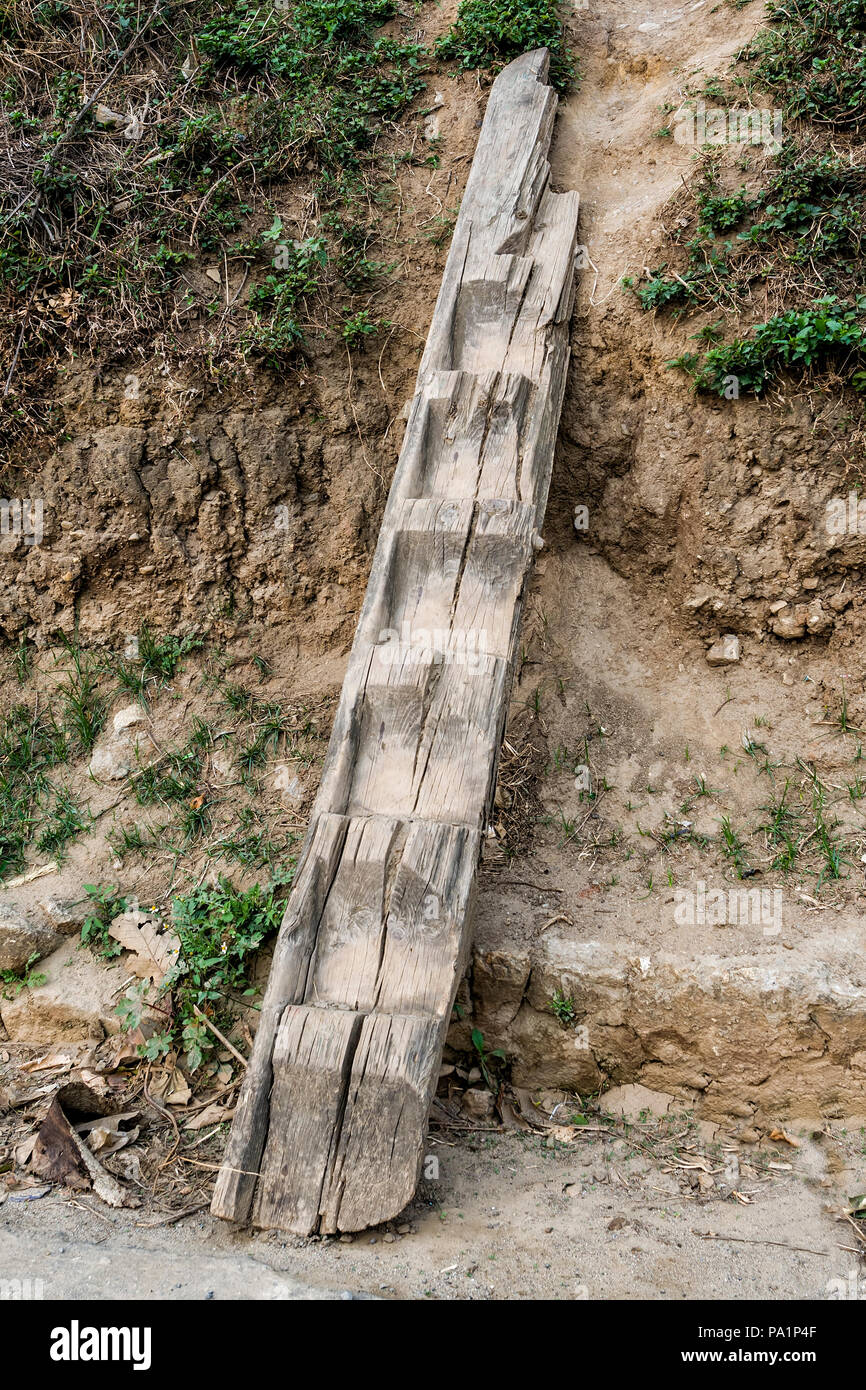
(634, 773)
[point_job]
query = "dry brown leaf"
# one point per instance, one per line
(169, 1085)
(154, 952)
(563, 1133)
(511, 1118)
(780, 1137)
(211, 1115)
(105, 1141)
(22, 1152)
(56, 1153)
(77, 1057)
(106, 1135)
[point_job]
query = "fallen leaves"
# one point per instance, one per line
(170, 1086)
(64, 1061)
(62, 1154)
(107, 1135)
(56, 1155)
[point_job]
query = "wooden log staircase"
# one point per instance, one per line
(330, 1127)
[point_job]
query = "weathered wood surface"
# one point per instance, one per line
(330, 1125)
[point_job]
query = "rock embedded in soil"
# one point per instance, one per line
(790, 625)
(737, 1036)
(477, 1104)
(725, 651)
(117, 754)
(77, 1001)
(817, 621)
(21, 937)
(633, 1102)
(111, 763)
(64, 915)
(128, 718)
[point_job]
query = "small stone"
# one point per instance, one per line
(698, 600)
(404, 1230)
(787, 679)
(213, 274)
(634, 1101)
(725, 651)
(749, 1136)
(127, 718)
(76, 1002)
(346, 1239)
(789, 627)
(817, 620)
(477, 1104)
(390, 1238)
(110, 764)
(810, 584)
(21, 937)
(778, 605)
(66, 916)
(839, 602)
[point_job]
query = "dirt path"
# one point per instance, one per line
(508, 1217)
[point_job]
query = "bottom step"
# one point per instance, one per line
(348, 1118)
(331, 1120)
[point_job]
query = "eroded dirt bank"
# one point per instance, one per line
(638, 777)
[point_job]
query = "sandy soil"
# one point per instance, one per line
(508, 1217)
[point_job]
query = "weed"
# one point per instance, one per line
(357, 328)
(31, 744)
(13, 982)
(812, 58)
(563, 1009)
(828, 333)
(219, 929)
(276, 330)
(107, 903)
(734, 849)
(830, 848)
(485, 1058)
(85, 710)
(65, 822)
(22, 661)
(489, 30)
(841, 719)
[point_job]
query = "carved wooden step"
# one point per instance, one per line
(331, 1120)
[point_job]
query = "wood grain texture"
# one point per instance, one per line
(330, 1126)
